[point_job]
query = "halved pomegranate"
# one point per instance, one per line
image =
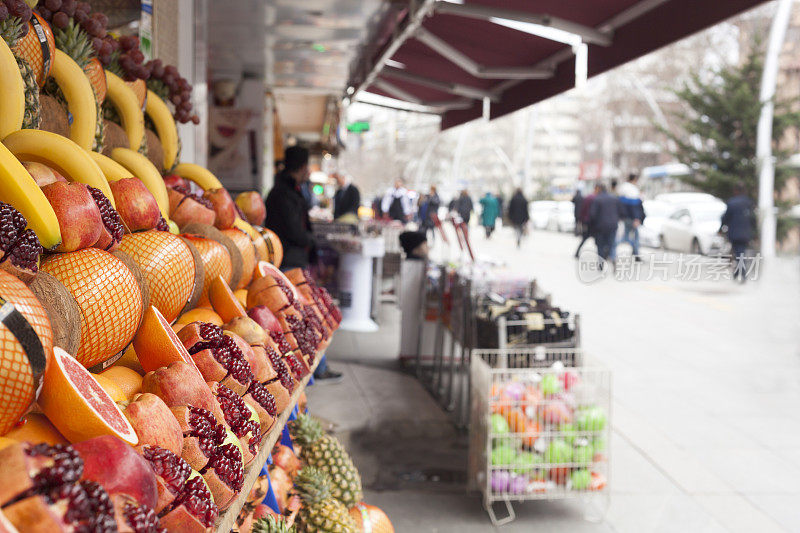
(193, 510)
(217, 356)
(134, 518)
(283, 372)
(262, 400)
(33, 469)
(109, 239)
(255, 357)
(213, 450)
(242, 419)
(19, 247)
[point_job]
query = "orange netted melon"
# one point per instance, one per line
(109, 298)
(216, 261)
(27, 346)
(274, 247)
(248, 251)
(33, 51)
(168, 266)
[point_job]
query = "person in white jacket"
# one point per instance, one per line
(396, 202)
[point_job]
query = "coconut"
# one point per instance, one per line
(54, 116)
(199, 276)
(113, 137)
(133, 266)
(210, 232)
(155, 152)
(62, 310)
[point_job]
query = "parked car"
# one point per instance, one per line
(562, 217)
(694, 228)
(655, 213)
(686, 198)
(539, 212)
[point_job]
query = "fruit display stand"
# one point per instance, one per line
(539, 430)
(227, 519)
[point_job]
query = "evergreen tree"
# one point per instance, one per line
(717, 137)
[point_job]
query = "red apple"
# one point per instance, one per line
(114, 464)
(265, 318)
(78, 216)
(42, 174)
(174, 180)
(136, 205)
(252, 205)
(223, 207)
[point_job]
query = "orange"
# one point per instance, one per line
(35, 427)
(129, 381)
(260, 245)
(97, 77)
(22, 364)
(223, 300)
(167, 265)
(248, 251)
(216, 261)
(241, 295)
(113, 390)
(517, 421)
(139, 89)
(156, 344)
(130, 360)
(6, 442)
(274, 246)
(78, 406)
(108, 296)
(200, 314)
(29, 48)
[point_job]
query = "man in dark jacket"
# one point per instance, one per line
(583, 216)
(738, 220)
(518, 214)
(577, 201)
(604, 219)
(347, 199)
(463, 206)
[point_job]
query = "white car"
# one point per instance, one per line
(562, 217)
(655, 213)
(539, 213)
(685, 198)
(694, 228)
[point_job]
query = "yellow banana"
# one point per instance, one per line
(60, 153)
(78, 92)
(12, 89)
(127, 104)
(247, 228)
(18, 189)
(165, 127)
(112, 170)
(200, 175)
(142, 168)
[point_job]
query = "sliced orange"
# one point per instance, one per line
(241, 295)
(224, 301)
(36, 428)
(156, 343)
(111, 388)
(77, 405)
(129, 381)
(200, 314)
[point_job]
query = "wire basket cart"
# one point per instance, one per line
(539, 430)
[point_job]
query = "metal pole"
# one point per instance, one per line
(766, 162)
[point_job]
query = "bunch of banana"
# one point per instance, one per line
(142, 168)
(60, 153)
(81, 101)
(166, 129)
(112, 170)
(130, 113)
(200, 175)
(12, 90)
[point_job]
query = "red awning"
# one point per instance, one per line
(451, 56)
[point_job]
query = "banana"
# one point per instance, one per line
(78, 91)
(18, 189)
(112, 170)
(165, 127)
(127, 104)
(247, 228)
(142, 168)
(60, 153)
(12, 89)
(200, 175)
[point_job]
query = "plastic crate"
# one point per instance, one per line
(539, 431)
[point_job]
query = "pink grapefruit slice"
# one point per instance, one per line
(77, 405)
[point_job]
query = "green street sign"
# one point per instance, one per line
(358, 127)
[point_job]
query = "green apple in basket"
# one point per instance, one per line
(498, 424)
(568, 432)
(503, 454)
(558, 451)
(591, 419)
(583, 452)
(580, 479)
(550, 385)
(526, 462)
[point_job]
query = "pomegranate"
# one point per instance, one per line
(217, 356)
(36, 469)
(281, 485)
(171, 471)
(262, 400)
(112, 222)
(19, 247)
(255, 356)
(281, 368)
(284, 457)
(193, 510)
(212, 450)
(153, 422)
(185, 207)
(242, 419)
(134, 518)
(181, 384)
(223, 207)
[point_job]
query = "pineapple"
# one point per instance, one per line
(270, 524)
(321, 512)
(10, 30)
(323, 451)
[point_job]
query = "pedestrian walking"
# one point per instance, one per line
(583, 216)
(604, 219)
(396, 202)
(632, 213)
(463, 206)
(612, 190)
(346, 199)
(490, 212)
(738, 223)
(577, 200)
(428, 208)
(518, 214)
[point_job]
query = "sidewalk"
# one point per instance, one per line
(707, 386)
